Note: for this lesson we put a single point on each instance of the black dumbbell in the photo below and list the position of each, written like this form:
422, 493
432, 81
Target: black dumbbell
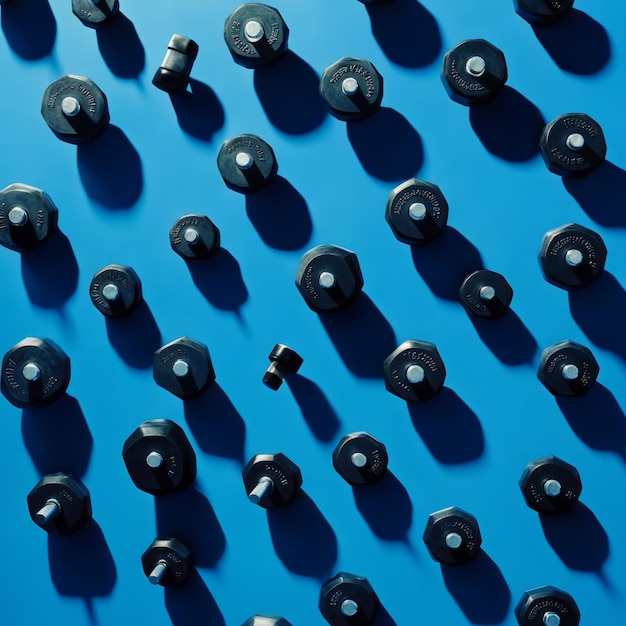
452, 536
542, 12
115, 290
75, 109
246, 163
27, 217
329, 278
173, 73
266, 620
572, 145
283, 361
474, 72
352, 89
59, 503
550, 485
271, 480
256, 35
95, 13
194, 237
183, 367
360, 459
572, 256
417, 212
485, 294
568, 369
159, 457
414, 371
167, 562
547, 606
34, 372
348, 600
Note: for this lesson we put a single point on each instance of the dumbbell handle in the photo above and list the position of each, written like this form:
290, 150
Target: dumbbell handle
49, 510
263, 488
157, 573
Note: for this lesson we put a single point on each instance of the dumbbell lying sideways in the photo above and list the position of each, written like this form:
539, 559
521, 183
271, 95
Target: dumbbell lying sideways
115, 290
167, 562
360, 459
348, 600
246, 163
271, 480
485, 294
175, 69
547, 606
283, 361
95, 13
542, 12
194, 237
452, 536
568, 369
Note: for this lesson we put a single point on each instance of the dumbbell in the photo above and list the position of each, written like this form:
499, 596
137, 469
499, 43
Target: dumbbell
75, 109
283, 361
572, 256
59, 503
194, 237
183, 367
485, 294
414, 371
542, 12
167, 562
115, 290
246, 163
256, 35
417, 212
352, 89
329, 278
547, 606
452, 536
568, 369
27, 217
474, 72
572, 145
159, 457
35, 371
266, 620
360, 459
95, 13
348, 600
173, 73
550, 485
271, 480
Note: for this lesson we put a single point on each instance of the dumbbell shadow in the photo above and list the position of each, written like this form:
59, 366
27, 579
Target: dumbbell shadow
121, 47
30, 28
199, 111
185, 603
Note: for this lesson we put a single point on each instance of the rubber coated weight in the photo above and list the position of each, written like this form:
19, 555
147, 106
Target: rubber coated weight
550, 485
246, 163
256, 35
27, 217
474, 72
95, 13
34, 372
452, 536
283, 361
348, 600
266, 620
75, 109
572, 145
271, 480
194, 237
115, 290
352, 89
167, 562
173, 73
572, 256
542, 12
360, 459
485, 294
159, 457
547, 606
568, 369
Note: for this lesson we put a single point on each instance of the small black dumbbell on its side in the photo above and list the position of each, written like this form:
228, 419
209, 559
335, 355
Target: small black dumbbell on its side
173, 73
547, 606
95, 13
183, 367
194, 237
34, 372
59, 503
452, 536
266, 620
167, 562
348, 600
329, 278
414, 371
159, 457
360, 459
352, 89
27, 217
247, 163
271, 480
115, 290
550, 485
75, 109
283, 361
256, 35
474, 72
485, 294
417, 212
568, 369
572, 256
572, 145
542, 12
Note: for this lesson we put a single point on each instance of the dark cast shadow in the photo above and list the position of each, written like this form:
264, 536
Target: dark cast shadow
383, 618
121, 47
30, 28
186, 603
199, 112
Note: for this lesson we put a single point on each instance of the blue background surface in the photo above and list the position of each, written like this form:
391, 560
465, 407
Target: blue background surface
117, 199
